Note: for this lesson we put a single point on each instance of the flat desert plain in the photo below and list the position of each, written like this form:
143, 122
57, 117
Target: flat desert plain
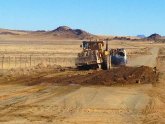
36, 91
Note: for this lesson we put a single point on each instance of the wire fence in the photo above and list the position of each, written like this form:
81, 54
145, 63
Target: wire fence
8, 62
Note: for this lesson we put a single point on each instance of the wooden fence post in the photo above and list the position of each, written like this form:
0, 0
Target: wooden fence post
34, 61
9, 62
30, 60
15, 61
20, 61
3, 57
25, 61
49, 60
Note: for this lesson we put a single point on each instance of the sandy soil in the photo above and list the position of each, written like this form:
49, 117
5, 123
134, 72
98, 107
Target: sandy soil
76, 104
146, 60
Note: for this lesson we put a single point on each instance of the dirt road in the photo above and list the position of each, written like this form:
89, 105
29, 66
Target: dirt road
72, 104
77, 104
146, 60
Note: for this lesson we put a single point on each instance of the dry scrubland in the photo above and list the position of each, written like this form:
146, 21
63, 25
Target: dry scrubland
30, 91
25, 54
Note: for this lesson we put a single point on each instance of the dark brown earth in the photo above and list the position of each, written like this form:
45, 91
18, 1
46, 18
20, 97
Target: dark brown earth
125, 75
122, 76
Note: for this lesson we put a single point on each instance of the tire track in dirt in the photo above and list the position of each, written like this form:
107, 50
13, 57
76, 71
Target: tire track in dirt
145, 60
21, 92
30, 102
105, 107
154, 112
78, 104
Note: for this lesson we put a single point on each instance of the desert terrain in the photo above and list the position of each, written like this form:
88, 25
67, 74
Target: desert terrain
39, 84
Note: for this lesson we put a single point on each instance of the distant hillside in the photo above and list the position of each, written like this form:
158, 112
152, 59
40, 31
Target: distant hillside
141, 36
67, 32
12, 32
8, 33
154, 37
62, 32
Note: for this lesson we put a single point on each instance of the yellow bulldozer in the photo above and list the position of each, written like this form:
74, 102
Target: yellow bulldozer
96, 54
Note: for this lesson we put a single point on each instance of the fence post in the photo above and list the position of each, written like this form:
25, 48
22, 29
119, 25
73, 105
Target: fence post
25, 61
34, 61
15, 61
49, 60
3, 57
30, 60
9, 62
20, 61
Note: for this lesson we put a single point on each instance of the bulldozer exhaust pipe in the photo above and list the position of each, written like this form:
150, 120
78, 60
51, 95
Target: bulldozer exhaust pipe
107, 44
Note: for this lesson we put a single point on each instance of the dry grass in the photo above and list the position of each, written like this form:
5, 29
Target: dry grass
17, 53
73, 104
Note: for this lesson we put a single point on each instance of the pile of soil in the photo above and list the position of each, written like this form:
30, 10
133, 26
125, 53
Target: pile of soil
124, 75
121, 75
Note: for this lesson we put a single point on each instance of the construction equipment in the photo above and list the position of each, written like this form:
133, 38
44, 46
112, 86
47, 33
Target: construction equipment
95, 54
118, 56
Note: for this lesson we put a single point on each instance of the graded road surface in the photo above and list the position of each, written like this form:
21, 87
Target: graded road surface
146, 60
77, 104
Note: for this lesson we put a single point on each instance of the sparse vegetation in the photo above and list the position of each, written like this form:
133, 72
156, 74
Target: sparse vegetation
53, 93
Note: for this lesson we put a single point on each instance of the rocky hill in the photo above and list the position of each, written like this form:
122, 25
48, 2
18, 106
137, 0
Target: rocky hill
154, 37
67, 32
62, 32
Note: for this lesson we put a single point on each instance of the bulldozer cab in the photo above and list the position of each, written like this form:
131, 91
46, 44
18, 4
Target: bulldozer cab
93, 45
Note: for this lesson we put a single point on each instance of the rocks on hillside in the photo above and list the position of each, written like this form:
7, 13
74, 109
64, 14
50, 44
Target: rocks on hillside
154, 37
67, 32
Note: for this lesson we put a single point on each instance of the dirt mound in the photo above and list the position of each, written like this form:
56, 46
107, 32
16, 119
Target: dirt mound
124, 75
121, 75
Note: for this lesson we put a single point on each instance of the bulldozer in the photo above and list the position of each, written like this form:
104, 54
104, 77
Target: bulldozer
97, 55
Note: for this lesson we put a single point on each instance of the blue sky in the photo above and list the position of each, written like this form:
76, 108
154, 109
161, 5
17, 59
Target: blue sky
111, 17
